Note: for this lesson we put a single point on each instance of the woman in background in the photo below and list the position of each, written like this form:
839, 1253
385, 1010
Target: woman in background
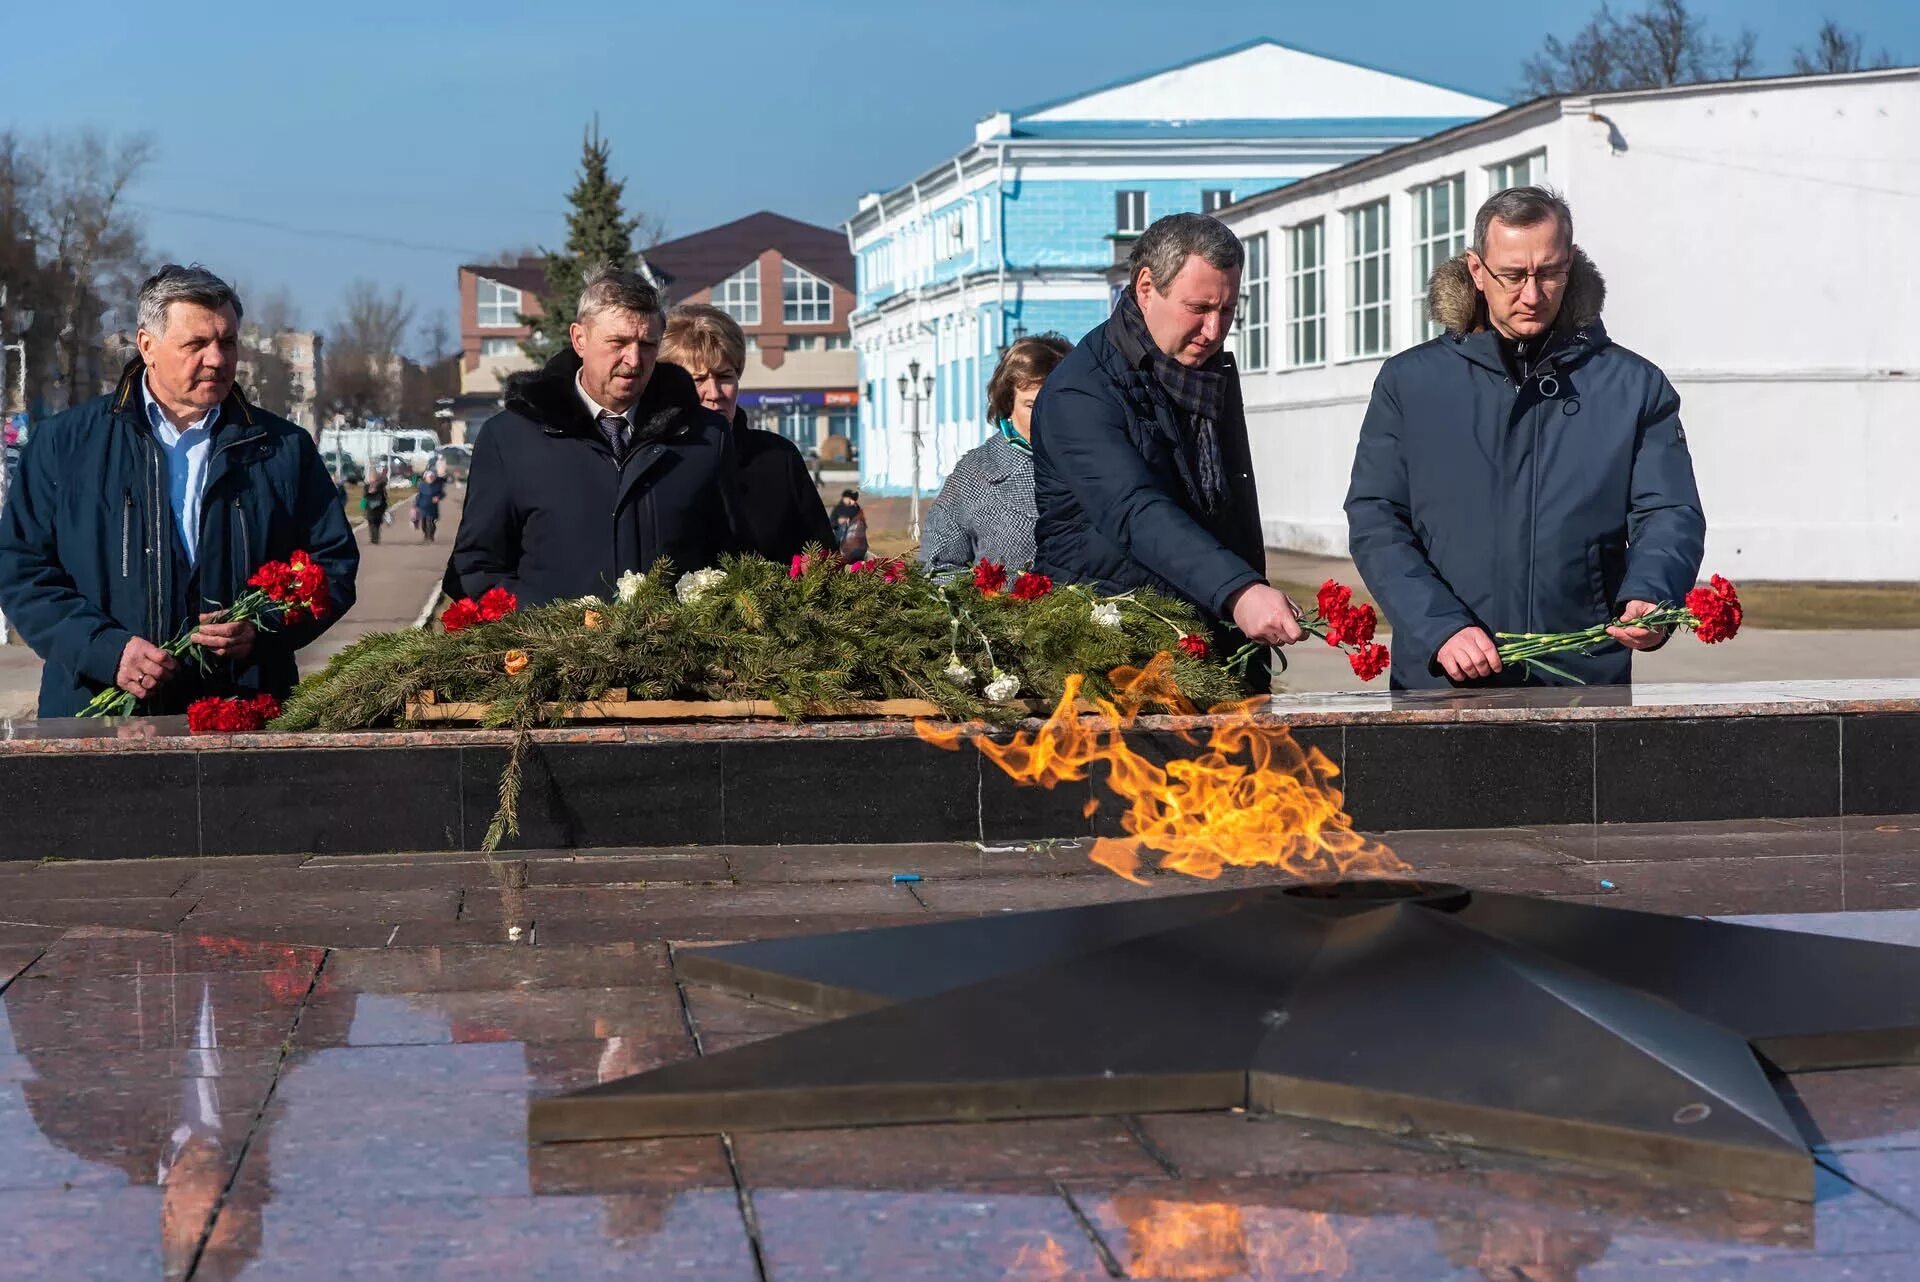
986, 509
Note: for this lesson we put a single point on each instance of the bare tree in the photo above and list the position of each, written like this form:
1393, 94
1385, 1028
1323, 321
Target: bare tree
1836, 49
363, 352
1663, 44
435, 338
93, 244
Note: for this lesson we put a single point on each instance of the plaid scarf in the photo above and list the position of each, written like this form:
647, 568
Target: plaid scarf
1200, 394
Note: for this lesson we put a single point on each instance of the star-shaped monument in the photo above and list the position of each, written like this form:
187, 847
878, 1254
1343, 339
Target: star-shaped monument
1621, 1038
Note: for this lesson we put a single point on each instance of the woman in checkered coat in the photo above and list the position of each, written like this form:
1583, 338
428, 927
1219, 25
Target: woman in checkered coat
986, 510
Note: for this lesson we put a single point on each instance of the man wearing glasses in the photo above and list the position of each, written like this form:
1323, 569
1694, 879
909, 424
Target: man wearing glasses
1521, 473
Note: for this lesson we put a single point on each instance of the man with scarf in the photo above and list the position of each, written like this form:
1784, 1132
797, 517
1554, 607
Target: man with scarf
1142, 474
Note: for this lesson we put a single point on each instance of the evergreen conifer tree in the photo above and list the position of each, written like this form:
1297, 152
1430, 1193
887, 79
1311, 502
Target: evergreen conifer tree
597, 229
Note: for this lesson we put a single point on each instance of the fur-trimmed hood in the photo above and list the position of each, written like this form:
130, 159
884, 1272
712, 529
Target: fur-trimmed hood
1455, 305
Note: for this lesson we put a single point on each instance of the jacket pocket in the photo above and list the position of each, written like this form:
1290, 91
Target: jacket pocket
1606, 571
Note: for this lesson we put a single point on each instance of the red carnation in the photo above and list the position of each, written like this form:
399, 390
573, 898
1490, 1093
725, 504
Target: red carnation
891, 570
1333, 598
1716, 610
496, 604
1030, 586
460, 616
231, 716
797, 566
1357, 625
1193, 645
1369, 660
989, 577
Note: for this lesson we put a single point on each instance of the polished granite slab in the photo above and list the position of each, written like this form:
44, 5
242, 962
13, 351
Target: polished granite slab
323, 1070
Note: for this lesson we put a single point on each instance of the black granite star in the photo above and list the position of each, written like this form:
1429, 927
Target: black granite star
1623, 1038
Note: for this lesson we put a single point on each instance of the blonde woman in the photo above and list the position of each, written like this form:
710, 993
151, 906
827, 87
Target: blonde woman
780, 506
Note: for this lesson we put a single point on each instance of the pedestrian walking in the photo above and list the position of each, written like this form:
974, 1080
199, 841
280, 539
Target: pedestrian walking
426, 502
373, 501
843, 514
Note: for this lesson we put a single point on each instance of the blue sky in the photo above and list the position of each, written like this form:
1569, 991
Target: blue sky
394, 140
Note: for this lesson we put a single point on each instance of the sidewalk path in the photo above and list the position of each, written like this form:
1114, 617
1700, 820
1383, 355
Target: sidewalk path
395, 578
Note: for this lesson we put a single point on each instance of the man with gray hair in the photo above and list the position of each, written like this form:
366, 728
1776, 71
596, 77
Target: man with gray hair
1521, 472
1142, 473
602, 462
145, 511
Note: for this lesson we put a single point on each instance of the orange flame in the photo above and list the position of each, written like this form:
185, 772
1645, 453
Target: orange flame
1045, 1263
1307, 1244
1254, 797
1197, 1241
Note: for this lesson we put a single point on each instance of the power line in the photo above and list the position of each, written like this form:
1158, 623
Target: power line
320, 233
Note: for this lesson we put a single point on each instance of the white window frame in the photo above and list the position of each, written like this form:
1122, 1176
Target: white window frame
495, 306
1439, 233
1130, 212
739, 294
1306, 322
805, 298
1214, 199
1370, 311
495, 348
1254, 336
1527, 170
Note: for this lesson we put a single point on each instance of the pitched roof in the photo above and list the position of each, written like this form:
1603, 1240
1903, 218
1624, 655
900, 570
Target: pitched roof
1250, 86
529, 275
692, 263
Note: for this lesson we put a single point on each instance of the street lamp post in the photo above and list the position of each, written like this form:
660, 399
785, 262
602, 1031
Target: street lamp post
915, 392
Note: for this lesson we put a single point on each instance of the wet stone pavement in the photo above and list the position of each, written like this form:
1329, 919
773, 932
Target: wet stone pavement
278, 1067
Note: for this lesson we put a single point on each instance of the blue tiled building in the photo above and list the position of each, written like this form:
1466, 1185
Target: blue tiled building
1016, 233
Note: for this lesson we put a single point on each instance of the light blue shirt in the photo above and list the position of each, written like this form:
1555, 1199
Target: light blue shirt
186, 450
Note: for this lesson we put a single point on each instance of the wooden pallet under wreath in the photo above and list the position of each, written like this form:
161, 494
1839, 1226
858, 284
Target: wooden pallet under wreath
614, 705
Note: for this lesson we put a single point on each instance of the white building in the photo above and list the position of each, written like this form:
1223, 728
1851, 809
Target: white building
1757, 238
1014, 233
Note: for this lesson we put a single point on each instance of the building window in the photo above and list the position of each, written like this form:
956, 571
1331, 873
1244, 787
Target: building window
803, 342
498, 306
1307, 293
1529, 170
1215, 199
1439, 232
836, 342
797, 425
1253, 334
1369, 312
1129, 212
739, 295
807, 299
499, 347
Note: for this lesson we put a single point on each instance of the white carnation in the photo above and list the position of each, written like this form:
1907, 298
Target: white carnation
694, 586
959, 673
588, 599
1106, 614
1003, 686
627, 586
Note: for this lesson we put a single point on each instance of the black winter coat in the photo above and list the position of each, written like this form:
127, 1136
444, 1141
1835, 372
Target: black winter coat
1542, 506
90, 556
551, 515
1116, 488
780, 503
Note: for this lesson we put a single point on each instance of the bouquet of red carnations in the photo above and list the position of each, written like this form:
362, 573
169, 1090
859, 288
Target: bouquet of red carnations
283, 592
231, 716
1712, 613
490, 606
1343, 625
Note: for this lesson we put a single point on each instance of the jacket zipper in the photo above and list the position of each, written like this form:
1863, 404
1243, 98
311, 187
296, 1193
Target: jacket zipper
126, 532
244, 567
157, 592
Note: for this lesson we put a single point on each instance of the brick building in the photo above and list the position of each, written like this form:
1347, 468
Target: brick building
788, 283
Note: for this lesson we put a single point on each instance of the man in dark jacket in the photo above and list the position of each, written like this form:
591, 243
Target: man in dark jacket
146, 510
1142, 473
601, 463
1521, 473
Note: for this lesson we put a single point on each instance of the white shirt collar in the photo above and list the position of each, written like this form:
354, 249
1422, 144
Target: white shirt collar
595, 409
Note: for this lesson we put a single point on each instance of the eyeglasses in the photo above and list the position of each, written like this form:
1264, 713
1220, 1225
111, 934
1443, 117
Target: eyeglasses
1514, 280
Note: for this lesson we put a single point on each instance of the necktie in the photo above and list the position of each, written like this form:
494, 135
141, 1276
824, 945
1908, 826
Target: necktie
614, 428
